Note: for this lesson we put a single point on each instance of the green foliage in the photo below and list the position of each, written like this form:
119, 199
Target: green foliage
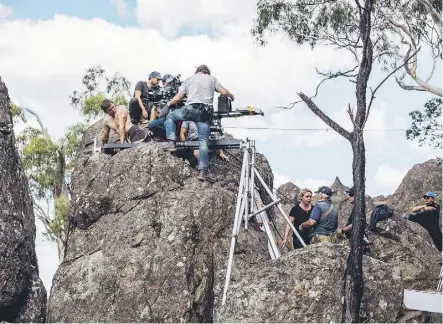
335, 23
39, 160
89, 99
70, 142
58, 226
426, 126
17, 113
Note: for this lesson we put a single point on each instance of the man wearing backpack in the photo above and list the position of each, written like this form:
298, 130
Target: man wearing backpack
323, 219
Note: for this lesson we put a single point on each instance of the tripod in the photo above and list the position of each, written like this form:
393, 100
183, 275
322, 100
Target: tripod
249, 204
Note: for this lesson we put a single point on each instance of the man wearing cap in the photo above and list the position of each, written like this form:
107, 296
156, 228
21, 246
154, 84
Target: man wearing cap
199, 90
348, 227
430, 204
137, 109
428, 216
323, 218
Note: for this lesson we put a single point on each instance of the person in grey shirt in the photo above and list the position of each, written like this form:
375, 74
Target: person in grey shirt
323, 218
199, 90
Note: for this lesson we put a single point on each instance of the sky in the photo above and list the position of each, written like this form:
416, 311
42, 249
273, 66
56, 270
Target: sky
46, 45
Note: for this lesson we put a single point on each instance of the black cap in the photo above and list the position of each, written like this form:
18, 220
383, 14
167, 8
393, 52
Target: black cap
350, 192
325, 190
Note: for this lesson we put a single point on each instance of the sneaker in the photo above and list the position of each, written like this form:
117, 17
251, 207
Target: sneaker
205, 175
170, 146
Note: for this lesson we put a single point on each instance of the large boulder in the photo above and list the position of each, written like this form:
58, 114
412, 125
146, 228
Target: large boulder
422, 177
22, 294
149, 241
306, 285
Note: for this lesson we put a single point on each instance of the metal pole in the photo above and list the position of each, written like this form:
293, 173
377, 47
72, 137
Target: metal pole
246, 188
234, 227
280, 208
252, 175
265, 221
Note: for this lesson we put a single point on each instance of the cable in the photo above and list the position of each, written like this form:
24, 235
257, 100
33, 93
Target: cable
317, 129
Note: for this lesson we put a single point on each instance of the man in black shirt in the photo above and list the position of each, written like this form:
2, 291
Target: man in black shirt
137, 109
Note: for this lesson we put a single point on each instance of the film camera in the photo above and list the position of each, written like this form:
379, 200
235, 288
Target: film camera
158, 95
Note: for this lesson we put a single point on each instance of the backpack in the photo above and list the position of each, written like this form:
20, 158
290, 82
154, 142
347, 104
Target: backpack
380, 212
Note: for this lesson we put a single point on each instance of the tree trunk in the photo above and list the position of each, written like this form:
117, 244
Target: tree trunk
354, 271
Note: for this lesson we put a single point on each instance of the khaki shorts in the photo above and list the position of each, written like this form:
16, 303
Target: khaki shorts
319, 238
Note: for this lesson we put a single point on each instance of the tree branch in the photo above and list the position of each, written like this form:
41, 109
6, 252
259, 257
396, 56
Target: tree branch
412, 72
328, 121
383, 81
436, 17
328, 76
44, 129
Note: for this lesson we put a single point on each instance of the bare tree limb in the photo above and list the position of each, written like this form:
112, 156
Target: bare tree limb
328, 121
435, 15
44, 129
412, 71
328, 76
383, 81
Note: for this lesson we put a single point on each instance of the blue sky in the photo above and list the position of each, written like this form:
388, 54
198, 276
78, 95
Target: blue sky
87, 9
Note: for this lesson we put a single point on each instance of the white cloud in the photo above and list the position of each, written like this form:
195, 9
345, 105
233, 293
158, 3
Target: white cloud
121, 7
388, 177
169, 16
5, 11
280, 179
312, 184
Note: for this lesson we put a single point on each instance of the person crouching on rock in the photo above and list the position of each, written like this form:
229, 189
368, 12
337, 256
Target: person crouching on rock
298, 215
117, 119
199, 90
323, 219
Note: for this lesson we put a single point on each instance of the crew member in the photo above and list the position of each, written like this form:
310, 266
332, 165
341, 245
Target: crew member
159, 113
323, 219
117, 118
137, 110
189, 132
299, 214
199, 90
429, 204
348, 228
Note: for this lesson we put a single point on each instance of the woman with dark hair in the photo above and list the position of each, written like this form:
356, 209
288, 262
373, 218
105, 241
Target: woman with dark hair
299, 214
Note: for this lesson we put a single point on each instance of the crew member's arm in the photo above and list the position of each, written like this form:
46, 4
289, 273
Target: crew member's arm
182, 91
138, 93
222, 155
105, 132
219, 88
122, 118
418, 208
287, 231
183, 131
315, 216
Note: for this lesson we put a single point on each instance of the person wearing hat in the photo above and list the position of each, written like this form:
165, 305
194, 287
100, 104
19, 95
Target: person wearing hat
323, 219
428, 216
429, 204
137, 110
348, 228
199, 90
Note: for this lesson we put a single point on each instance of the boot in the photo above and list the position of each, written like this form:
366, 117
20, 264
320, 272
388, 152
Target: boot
205, 175
170, 146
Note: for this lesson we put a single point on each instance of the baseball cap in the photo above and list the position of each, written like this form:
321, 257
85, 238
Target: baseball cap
350, 192
429, 194
324, 190
155, 74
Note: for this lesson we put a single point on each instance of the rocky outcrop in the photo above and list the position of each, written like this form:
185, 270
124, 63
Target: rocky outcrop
306, 285
22, 294
420, 179
149, 242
